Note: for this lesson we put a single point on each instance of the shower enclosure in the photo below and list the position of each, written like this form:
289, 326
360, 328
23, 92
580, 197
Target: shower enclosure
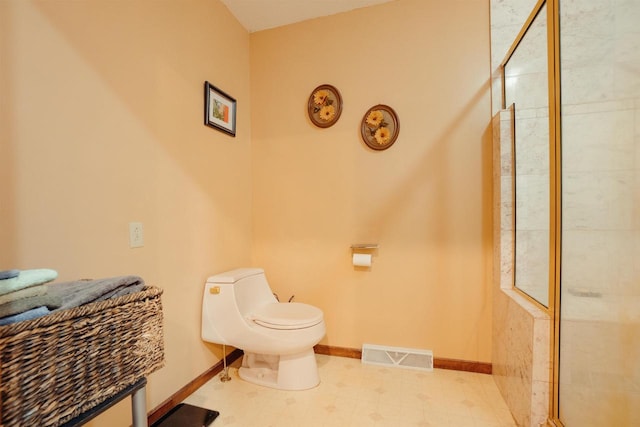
571, 80
599, 334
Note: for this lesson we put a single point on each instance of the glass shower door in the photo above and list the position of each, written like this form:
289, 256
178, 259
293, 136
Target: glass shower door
599, 355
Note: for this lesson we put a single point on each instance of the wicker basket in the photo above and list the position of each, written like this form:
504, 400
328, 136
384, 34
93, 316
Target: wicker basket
56, 367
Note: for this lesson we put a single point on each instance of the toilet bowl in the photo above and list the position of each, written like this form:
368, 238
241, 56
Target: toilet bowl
240, 310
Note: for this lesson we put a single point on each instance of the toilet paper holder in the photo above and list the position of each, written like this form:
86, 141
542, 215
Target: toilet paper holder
362, 255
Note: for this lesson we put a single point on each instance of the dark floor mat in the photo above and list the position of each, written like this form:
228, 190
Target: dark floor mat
185, 415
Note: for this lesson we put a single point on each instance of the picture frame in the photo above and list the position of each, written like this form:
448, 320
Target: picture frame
219, 109
380, 127
324, 106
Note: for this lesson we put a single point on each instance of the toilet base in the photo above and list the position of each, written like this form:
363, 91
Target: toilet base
284, 372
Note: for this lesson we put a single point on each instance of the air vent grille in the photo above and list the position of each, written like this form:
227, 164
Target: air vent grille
397, 357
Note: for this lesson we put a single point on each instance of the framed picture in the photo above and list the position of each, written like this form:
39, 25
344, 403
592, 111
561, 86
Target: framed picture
380, 127
219, 109
324, 106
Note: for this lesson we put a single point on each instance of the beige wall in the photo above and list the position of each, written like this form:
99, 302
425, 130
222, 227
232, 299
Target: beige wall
426, 200
101, 124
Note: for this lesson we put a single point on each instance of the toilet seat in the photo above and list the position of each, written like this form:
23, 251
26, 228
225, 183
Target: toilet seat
287, 316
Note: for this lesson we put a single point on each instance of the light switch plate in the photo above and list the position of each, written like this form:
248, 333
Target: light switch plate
136, 235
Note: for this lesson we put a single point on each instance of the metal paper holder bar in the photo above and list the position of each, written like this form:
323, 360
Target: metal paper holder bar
362, 246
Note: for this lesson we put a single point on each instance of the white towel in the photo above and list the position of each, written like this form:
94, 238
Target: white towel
27, 278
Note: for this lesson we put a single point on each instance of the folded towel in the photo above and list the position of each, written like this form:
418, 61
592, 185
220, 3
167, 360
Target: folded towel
31, 291
27, 278
9, 274
73, 294
25, 304
34, 313
121, 291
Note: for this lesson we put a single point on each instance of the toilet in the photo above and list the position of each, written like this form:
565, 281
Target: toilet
240, 310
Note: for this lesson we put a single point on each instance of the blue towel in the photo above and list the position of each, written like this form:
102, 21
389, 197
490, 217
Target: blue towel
9, 274
25, 315
27, 278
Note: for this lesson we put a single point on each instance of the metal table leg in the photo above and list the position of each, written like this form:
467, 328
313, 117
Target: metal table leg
139, 407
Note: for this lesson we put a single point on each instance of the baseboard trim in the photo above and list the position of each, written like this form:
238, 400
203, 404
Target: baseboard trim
463, 365
353, 353
440, 363
162, 409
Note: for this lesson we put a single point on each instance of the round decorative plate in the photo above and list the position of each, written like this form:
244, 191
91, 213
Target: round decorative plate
324, 106
380, 127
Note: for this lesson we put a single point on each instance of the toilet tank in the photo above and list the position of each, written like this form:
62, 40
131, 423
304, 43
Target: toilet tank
250, 287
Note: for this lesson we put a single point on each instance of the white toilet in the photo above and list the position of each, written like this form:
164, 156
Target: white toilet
239, 309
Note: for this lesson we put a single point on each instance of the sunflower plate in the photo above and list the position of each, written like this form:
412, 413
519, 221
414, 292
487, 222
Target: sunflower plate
324, 106
380, 127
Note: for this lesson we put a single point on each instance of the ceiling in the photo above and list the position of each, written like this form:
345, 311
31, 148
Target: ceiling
256, 15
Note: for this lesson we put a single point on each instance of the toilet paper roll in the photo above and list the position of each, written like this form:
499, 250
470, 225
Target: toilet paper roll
362, 260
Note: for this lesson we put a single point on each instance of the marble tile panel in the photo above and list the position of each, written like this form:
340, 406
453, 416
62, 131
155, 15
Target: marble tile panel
532, 263
506, 203
510, 12
506, 259
506, 147
607, 308
518, 363
599, 362
532, 113
539, 403
532, 202
602, 141
626, 18
591, 83
590, 19
637, 140
636, 201
626, 79
532, 146
542, 364
597, 107
527, 90
579, 50
600, 201
600, 261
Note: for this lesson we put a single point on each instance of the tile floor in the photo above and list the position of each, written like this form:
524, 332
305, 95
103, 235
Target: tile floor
353, 394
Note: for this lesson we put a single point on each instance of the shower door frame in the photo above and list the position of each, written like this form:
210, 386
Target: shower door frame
555, 188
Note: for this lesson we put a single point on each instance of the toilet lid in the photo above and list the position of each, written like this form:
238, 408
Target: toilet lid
293, 315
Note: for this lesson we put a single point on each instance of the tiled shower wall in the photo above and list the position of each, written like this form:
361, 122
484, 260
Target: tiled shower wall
600, 79
600, 321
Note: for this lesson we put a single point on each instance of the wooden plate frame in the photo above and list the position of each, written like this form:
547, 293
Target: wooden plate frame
324, 106
380, 127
